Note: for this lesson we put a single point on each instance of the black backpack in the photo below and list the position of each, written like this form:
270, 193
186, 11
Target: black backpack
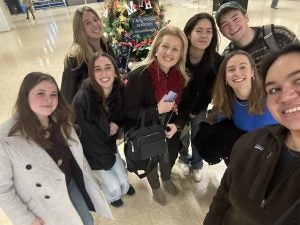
268, 37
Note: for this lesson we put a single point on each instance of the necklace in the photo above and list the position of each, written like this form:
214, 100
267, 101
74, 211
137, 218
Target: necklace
240, 102
292, 152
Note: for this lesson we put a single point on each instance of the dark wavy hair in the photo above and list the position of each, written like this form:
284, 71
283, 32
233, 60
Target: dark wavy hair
268, 62
214, 44
26, 121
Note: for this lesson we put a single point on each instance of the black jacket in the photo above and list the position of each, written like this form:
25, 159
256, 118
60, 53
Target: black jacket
72, 78
291, 216
199, 89
254, 189
93, 120
139, 95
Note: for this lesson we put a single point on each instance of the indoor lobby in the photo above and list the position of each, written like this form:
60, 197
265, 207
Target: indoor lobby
41, 45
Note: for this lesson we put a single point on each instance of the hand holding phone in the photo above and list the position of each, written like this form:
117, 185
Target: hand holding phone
171, 96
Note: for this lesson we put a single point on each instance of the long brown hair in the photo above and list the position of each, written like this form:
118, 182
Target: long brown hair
224, 96
81, 49
26, 121
91, 70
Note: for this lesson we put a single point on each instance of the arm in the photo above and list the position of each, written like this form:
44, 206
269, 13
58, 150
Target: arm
220, 203
284, 36
10, 202
95, 141
204, 84
72, 79
38, 221
184, 108
139, 95
116, 105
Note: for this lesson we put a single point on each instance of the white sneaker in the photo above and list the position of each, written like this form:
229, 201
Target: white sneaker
197, 175
185, 169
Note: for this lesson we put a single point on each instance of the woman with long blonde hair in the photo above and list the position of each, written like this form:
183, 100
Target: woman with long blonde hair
87, 39
162, 71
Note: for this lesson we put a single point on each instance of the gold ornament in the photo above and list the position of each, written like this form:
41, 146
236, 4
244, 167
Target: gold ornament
120, 30
122, 18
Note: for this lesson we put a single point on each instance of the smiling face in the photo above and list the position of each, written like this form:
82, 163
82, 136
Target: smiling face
104, 73
238, 75
43, 100
283, 90
168, 52
234, 25
201, 34
92, 25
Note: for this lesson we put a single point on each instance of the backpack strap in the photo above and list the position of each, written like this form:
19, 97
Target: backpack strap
269, 38
227, 50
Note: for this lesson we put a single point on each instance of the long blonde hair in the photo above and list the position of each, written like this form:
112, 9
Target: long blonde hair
174, 31
81, 49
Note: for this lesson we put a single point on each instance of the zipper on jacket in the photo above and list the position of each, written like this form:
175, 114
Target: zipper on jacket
264, 201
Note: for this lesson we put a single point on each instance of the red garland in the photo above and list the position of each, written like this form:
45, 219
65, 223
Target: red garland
162, 84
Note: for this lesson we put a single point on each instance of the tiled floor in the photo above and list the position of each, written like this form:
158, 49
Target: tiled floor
41, 45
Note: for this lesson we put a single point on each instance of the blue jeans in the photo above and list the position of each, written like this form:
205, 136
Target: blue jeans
80, 204
114, 182
195, 160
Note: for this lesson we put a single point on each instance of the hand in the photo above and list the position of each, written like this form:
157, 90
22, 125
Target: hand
38, 221
163, 106
113, 128
171, 130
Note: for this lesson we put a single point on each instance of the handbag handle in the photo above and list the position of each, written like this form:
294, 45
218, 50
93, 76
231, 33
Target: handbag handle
142, 119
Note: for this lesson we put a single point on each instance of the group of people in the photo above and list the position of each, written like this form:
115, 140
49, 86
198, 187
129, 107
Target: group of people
58, 153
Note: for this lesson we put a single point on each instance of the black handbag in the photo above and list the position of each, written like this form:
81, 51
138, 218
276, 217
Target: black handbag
215, 141
143, 146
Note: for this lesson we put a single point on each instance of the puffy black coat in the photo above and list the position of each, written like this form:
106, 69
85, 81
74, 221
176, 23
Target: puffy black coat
93, 120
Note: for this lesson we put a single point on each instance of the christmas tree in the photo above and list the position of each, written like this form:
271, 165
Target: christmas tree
132, 25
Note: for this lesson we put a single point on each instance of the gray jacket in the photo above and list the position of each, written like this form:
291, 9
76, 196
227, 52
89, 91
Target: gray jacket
31, 184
